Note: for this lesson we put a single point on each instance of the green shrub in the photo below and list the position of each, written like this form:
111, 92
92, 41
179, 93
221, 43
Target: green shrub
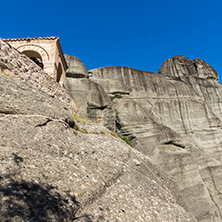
76, 132
126, 139
76, 127
83, 130
116, 96
211, 77
105, 134
83, 120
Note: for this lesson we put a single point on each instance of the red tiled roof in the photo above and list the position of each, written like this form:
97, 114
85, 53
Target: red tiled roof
28, 38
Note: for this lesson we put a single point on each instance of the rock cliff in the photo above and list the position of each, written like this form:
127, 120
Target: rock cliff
174, 118
54, 168
57, 168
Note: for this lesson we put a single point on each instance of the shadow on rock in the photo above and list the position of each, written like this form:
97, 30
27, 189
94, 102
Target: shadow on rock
30, 201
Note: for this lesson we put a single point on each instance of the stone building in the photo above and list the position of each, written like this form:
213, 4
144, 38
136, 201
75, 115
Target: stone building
46, 52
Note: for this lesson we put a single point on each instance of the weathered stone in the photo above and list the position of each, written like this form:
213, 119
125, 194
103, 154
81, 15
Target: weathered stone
175, 119
24, 99
92, 100
180, 66
51, 172
76, 68
204, 70
85, 174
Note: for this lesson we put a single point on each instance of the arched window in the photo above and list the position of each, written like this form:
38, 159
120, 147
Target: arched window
59, 73
35, 57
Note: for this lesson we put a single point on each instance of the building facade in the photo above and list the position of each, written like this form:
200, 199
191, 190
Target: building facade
46, 52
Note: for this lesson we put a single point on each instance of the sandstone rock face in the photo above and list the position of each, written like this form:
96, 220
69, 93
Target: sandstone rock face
22, 98
90, 97
76, 68
180, 66
52, 172
92, 100
174, 118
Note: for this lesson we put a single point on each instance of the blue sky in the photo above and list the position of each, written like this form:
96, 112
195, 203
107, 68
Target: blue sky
141, 34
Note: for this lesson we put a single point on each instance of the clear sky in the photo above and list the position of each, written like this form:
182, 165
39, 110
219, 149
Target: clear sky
137, 33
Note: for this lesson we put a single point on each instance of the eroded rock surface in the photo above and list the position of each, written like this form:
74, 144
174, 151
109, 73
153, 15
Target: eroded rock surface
24, 99
92, 101
174, 118
180, 66
51, 172
76, 68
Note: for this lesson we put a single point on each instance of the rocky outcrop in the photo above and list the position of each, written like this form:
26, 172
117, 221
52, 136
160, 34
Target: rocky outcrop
52, 172
76, 68
180, 66
20, 98
92, 101
90, 97
174, 118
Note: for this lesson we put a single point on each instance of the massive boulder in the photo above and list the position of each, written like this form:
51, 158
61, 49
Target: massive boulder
90, 97
174, 118
52, 172
76, 68
180, 66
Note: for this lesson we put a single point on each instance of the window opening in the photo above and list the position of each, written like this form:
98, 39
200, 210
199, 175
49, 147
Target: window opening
59, 73
35, 57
